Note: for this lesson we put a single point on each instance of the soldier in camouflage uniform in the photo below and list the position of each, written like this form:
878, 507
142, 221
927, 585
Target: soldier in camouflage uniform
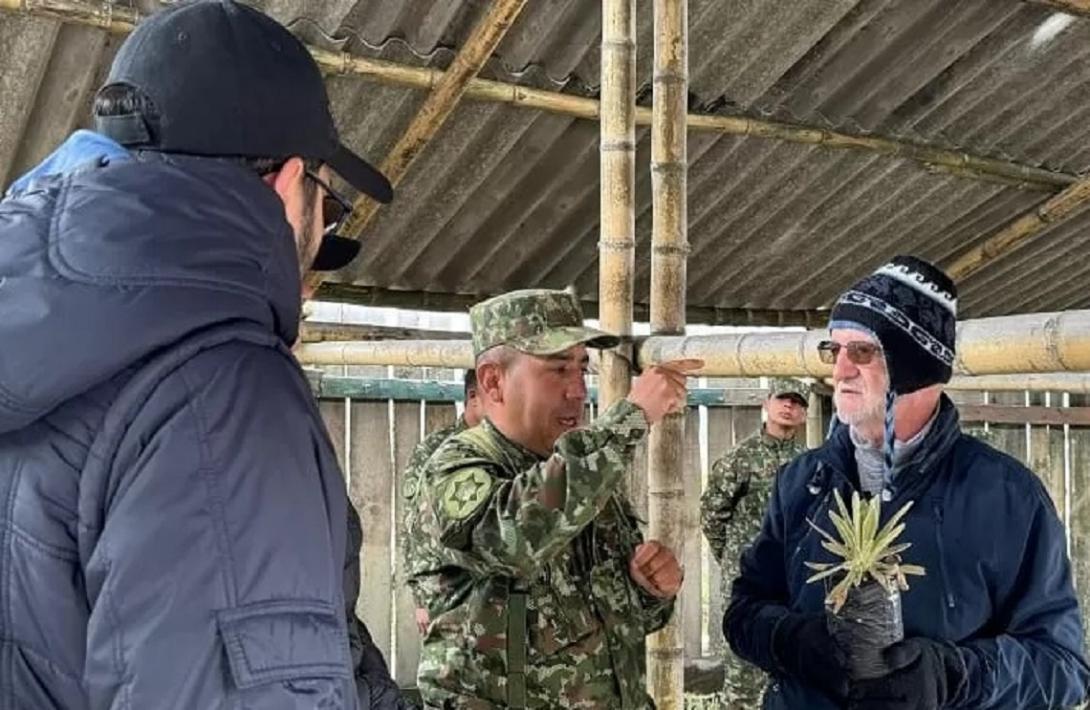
547, 589
420, 571
734, 504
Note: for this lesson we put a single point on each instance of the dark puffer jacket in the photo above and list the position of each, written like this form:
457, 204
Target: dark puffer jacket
998, 580
173, 516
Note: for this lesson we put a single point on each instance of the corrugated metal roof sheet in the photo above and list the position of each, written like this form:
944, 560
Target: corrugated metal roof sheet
506, 197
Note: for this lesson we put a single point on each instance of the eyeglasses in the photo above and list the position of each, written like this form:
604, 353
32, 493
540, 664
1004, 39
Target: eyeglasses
860, 352
335, 208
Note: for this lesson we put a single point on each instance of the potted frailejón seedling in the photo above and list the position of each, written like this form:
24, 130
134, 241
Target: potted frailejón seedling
863, 605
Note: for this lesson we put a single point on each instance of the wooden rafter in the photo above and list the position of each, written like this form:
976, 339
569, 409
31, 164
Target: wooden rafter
1022, 229
1071, 7
441, 102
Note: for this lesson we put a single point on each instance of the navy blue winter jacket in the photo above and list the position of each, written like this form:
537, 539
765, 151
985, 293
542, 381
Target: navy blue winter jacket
172, 514
998, 580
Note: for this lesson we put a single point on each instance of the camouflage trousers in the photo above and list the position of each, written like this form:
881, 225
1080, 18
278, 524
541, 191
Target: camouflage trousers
743, 683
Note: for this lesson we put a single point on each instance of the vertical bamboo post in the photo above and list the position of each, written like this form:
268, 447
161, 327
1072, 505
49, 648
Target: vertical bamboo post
669, 249
617, 167
815, 421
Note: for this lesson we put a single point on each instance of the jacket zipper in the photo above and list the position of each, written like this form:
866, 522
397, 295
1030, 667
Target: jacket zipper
947, 594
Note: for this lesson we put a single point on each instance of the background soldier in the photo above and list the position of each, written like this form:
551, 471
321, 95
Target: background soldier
547, 587
417, 568
734, 504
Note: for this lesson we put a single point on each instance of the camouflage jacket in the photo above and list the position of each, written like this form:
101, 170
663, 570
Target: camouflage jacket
419, 568
739, 488
489, 524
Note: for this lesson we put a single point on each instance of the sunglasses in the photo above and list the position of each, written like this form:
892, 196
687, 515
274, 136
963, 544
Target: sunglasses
860, 352
335, 207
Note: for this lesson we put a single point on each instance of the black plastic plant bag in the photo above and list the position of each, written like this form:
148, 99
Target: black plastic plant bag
867, 624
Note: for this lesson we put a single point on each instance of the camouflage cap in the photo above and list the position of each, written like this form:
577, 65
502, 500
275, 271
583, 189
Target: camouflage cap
534, 321
781, 386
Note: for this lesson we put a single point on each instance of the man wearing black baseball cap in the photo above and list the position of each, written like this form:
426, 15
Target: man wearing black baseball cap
176, 515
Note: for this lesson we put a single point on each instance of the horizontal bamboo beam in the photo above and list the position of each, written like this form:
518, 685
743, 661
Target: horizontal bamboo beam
441, 102
453, 302
1034, 343
1071, 7
120, 20
317, 332
405, 353
1022, 229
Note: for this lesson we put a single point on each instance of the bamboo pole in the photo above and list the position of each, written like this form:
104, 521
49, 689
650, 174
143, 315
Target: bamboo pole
401, 353
108, 16
440, 104
669, 251
617, 188
1022, 229
1026, 177
430, 300
319, 332
1045, 343
1036, 342
815, 421
1071, 7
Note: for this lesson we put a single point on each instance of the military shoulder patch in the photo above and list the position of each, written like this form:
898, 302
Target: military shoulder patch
464, 492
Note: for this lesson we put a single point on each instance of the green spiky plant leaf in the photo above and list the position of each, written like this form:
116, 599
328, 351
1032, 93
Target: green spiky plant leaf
865, 550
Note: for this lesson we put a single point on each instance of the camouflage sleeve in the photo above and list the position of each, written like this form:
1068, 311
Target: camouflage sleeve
719, 500
410, 484
656, 612
510, 526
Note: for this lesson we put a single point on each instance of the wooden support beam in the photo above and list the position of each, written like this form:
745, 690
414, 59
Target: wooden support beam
1071, 7
455, 302
441, 102
669, 255
1022, 229
120, 19
1072, 382
1010, 414
617, 192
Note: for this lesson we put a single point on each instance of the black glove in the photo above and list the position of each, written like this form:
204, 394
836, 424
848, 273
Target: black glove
926, 675
805, 650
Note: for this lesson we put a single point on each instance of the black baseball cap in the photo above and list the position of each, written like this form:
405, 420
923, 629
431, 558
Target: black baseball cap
227, 80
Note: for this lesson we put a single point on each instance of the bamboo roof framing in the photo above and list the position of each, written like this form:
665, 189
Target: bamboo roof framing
838, 150
617, 187
669, 256
122, 19
1015, 234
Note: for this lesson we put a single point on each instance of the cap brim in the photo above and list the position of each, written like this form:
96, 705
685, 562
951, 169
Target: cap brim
557, 340
793, 395
335, 253
360, 174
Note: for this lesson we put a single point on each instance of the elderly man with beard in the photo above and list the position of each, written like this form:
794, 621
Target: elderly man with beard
994, 624
547, 588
